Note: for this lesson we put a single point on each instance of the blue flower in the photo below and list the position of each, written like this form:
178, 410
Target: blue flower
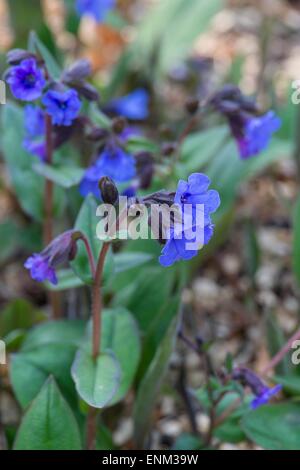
97, 9
42, 265
265, 395
34, 123
26, 80
201, 202
257, 134
113, 162
133, 106
62, 106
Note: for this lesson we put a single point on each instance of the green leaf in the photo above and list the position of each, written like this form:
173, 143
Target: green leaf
290, 383
171, 19
36, 45
19, 314
64, 176
187, 441
29, 370
9, 231
66, 280
98, 380
129, 260
29, 186
150, 386
141, 144
120, 335
55, 332
274, 427
87, 223
49, 423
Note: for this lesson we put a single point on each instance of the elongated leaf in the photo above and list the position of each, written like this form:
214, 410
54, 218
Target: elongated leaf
129, 260
96, 381
29, 186
274, 427
36, 45
149, 388
64, 176
49, 423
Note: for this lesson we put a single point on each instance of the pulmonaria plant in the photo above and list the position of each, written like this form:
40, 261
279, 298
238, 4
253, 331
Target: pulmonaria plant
262, 392
252, 132
62, 106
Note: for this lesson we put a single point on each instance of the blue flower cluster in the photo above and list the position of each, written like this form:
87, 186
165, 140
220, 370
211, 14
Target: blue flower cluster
113, 162
27, 82
97, 9
196, 195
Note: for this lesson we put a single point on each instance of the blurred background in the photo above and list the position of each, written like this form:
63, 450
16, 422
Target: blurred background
243, 293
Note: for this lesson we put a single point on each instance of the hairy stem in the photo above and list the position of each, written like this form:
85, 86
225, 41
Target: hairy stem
48, 200
97, 321
97, 301
280, 355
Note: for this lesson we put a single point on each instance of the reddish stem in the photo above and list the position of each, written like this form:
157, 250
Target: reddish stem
97, 323
280, 355
97, 301
48, 200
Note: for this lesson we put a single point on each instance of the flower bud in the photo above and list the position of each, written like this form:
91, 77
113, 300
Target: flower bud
119, 124
168, 148
108, 190
80, 70
192, 105
15, 56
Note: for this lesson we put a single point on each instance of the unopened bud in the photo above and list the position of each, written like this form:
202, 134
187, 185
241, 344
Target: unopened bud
108, 190
119, 124
15, 56
168, 148
192, 105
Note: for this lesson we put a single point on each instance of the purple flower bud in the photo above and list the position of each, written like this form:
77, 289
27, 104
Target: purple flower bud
258, 387
26, 80
62, 106
15, 56
42, 265
80, 70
